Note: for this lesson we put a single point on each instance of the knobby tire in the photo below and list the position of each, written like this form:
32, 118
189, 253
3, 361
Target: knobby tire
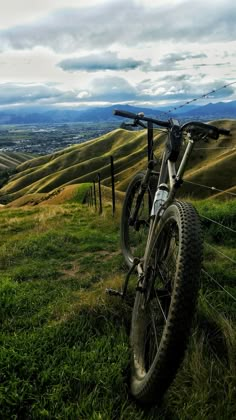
162, 315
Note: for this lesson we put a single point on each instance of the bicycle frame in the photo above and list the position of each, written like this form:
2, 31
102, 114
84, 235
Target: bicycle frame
167, 175
169, 271
165, 194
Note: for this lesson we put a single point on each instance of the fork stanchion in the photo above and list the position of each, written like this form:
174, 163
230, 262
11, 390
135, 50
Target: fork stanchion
113, 186
99, 193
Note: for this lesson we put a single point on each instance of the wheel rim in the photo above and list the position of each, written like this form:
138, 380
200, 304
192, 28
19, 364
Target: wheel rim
154, 306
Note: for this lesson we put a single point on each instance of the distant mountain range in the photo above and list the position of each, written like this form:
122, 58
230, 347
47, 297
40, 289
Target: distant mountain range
219, 110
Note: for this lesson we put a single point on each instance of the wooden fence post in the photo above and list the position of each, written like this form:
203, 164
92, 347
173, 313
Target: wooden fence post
94, 193
91, 193
89, 197
113, 186
99, 193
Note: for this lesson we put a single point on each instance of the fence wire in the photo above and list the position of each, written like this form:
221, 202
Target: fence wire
218, 284
220, 253
218, 223
211, 188
205, 95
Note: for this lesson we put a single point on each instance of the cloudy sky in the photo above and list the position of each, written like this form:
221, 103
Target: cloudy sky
74, 53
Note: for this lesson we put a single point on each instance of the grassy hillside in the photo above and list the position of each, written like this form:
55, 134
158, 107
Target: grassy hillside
73, 164
211, 164
9, 160
64, 345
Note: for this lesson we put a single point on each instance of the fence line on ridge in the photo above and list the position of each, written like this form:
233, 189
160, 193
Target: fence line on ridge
95, 199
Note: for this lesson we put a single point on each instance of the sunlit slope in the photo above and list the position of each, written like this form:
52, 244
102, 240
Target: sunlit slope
212, 163
217, 174
9, 160
79, 163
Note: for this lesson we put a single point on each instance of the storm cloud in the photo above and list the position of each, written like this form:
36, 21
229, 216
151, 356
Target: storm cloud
125, 23
96, 62
114, 51
21, 93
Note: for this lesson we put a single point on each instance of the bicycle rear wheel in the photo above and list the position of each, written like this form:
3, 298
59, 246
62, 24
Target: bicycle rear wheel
134, 236
162, 315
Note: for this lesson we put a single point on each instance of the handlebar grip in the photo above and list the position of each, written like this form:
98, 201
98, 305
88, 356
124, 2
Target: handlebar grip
125, 114
224, 131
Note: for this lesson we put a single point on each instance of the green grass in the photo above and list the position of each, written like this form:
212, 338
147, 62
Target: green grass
64, 344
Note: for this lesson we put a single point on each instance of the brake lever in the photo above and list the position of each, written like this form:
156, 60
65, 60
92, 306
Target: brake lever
138, 122
197, 135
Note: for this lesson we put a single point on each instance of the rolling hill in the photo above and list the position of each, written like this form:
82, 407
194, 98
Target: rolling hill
211, 164
9, 160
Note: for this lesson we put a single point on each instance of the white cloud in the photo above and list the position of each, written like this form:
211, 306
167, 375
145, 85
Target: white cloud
124, 23
83, 95
112, 89
140, 51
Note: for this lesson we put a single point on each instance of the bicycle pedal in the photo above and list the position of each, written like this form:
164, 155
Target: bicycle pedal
113, 292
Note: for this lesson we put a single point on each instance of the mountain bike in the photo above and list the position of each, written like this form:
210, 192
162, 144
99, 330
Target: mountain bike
161, 239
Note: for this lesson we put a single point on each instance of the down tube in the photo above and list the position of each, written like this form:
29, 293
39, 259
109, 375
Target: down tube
163, 177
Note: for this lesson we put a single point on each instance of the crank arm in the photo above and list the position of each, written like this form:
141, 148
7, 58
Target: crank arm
122, 294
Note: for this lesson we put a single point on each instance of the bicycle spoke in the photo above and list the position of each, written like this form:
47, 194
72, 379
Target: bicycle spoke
154, 329
160, 306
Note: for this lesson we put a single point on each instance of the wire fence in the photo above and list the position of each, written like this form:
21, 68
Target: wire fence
94, 198
219, 269
212, 188
204, 96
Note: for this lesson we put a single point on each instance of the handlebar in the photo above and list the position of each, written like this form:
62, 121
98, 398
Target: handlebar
211, 131
141, 117
124, 114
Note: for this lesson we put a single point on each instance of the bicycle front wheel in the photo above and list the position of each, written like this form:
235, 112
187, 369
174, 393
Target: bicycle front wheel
162, 315
134, 236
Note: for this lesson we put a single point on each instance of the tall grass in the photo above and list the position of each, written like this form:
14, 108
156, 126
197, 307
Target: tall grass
64, 344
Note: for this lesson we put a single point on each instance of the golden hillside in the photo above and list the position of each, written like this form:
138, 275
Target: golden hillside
211, 164
9, 160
